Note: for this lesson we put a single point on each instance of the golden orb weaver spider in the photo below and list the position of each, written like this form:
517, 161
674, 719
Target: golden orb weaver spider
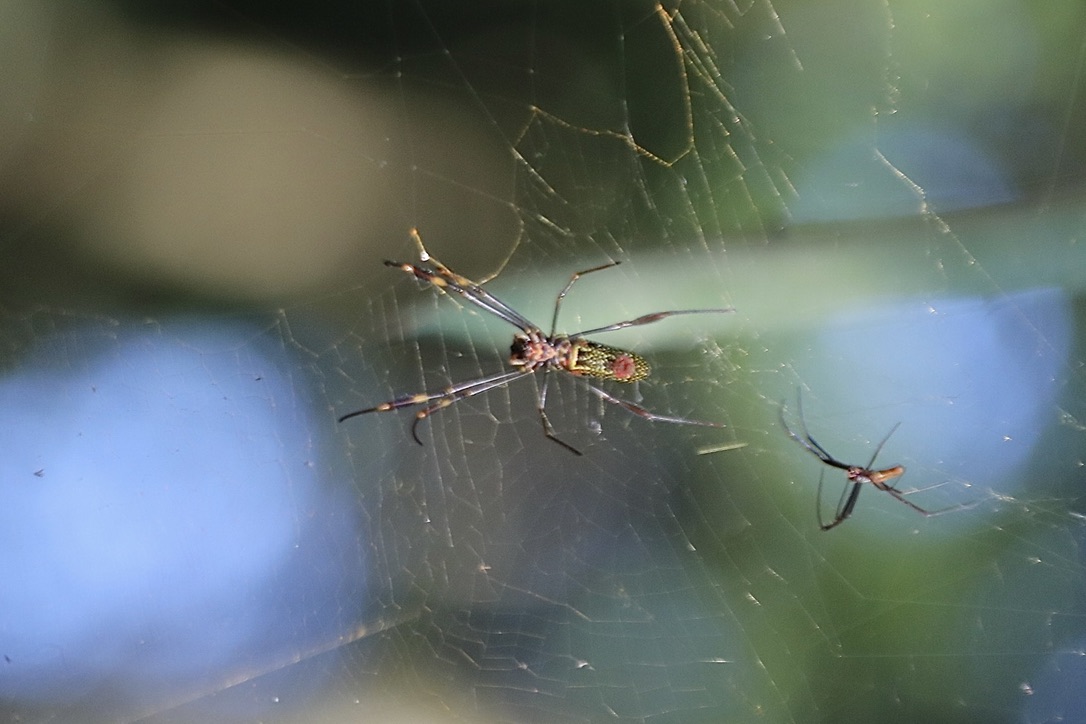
533, 351
855, 474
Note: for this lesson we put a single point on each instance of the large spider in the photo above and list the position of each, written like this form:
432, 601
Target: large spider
533, 351
855, 474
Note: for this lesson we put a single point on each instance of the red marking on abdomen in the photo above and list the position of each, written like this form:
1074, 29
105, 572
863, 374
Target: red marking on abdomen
623, 367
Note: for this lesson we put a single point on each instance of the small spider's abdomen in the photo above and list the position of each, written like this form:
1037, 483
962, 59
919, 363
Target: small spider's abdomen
881, 476
592, 359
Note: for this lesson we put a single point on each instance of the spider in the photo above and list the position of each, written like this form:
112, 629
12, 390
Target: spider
533, 351
855, 475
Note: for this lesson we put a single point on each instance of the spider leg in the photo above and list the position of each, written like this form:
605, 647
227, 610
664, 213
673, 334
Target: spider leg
878, 448
460, 392
446, 280
443, 398
809, 442
818, 500
548, 429
572, 279
442, 270
844, 505
899, 496
650, 318
648, 415
812, 444
928, 513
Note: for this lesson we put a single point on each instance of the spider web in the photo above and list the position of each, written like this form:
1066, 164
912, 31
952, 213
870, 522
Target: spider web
198, 201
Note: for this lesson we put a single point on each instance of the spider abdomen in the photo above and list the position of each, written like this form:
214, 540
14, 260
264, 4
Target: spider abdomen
591, 359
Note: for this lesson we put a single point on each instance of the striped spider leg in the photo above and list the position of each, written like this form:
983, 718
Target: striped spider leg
855, 475
534, 351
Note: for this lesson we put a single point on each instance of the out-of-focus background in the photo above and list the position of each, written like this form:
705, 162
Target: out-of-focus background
195, 203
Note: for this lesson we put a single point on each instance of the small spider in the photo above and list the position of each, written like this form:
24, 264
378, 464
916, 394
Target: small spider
533, 351
855, 474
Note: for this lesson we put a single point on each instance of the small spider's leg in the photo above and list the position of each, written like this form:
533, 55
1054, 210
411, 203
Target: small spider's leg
797, 438
809, 442
897, 495
818, 499
548, 429
572, 279
846, 512
924, 511
650, 318
878, 448
845, 504
958, 506
843, 511
813, 445
642, 412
